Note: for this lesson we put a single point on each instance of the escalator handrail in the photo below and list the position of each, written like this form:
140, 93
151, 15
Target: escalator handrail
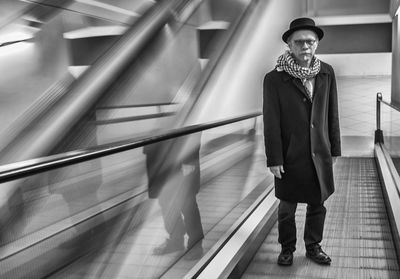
26, 168
378, 131
393, 106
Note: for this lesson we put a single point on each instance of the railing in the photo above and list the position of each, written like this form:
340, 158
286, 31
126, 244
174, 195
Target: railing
378, 132
26, 168
129, 200
389, 175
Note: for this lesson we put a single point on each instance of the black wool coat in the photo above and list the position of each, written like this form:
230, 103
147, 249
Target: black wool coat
301, 135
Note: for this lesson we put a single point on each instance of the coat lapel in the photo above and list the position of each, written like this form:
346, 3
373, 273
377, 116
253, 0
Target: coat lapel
300, 86
297, 83
321, 79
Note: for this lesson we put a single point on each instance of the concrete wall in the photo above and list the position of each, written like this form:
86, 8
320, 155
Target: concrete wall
359, 64
237, 86
345, 7
394, 5
356, 38
396, 61
360, 41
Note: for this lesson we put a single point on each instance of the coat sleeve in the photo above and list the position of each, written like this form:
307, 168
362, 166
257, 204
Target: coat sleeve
272, 125
333, 118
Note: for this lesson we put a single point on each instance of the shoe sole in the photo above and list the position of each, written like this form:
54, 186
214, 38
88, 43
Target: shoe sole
318, 262
285, 264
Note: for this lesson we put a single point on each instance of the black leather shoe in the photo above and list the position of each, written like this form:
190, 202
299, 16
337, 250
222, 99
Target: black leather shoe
316, 254
285, 258
169, 246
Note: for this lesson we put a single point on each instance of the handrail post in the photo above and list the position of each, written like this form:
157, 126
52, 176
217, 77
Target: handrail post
378, 131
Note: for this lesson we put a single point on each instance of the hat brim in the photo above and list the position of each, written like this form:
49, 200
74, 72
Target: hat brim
316, 29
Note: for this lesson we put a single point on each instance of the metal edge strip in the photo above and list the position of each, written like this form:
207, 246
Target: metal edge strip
220, 260
390, 187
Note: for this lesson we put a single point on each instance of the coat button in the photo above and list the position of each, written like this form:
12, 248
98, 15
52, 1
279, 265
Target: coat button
304, 99
312, 125
313, 154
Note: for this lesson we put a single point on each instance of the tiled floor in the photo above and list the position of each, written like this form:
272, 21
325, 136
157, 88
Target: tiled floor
357, 109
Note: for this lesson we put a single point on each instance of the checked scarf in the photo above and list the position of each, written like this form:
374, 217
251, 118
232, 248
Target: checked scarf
287, 63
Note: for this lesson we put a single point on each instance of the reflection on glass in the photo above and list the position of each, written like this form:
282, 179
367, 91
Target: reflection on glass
97, 215
173, 170
48, 46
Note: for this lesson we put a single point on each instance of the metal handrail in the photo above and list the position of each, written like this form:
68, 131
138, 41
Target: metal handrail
379, 100
393, 106
30, 167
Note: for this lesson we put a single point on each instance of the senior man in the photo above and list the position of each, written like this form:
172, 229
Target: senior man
302, 137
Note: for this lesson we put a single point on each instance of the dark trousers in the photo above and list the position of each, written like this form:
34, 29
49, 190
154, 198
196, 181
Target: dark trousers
313, 229
181, 213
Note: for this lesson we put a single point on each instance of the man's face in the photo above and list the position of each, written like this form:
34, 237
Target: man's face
303, 44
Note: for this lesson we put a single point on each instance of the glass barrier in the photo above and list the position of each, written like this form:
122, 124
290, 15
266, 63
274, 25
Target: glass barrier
45, 47
390, 125
146, 213
96, 212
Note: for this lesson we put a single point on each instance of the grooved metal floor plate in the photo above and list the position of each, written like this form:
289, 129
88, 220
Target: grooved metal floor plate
357, 234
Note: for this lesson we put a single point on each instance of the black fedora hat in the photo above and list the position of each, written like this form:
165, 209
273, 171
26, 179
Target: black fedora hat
302, 23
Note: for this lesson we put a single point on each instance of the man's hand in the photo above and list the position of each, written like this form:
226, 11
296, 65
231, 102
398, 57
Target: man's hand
277, 170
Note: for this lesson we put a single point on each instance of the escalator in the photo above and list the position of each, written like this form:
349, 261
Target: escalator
54, 217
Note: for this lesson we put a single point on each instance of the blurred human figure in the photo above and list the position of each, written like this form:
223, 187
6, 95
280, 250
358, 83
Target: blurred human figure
173, 170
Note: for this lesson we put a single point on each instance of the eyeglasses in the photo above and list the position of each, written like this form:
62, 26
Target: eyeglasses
309, 42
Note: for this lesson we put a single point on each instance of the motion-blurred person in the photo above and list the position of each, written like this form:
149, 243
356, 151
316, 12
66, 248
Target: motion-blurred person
173, 170
302, 137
